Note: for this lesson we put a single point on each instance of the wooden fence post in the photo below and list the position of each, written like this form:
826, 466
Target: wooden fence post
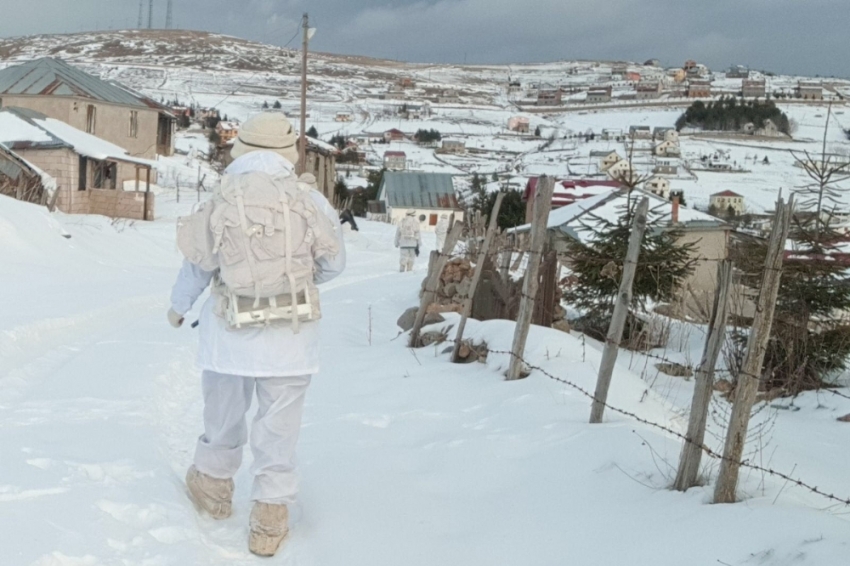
750, 375
476, 275
542, 205
686, 477
432, 281
621, 312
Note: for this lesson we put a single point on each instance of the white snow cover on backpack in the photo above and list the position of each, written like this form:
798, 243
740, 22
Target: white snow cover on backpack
263, 233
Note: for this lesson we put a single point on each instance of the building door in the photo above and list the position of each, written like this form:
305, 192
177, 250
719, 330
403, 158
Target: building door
433, 220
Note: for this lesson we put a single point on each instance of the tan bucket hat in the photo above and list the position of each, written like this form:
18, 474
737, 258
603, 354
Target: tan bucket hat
269, 131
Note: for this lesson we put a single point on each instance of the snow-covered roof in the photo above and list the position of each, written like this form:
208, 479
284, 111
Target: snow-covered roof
227, 126
24, 129
54, 77
609, 206
13, 165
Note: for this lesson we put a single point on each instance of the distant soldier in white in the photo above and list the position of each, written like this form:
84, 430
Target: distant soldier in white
408, 238
262, 244
442, 230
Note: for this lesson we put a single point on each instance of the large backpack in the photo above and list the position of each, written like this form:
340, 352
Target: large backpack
263, 234
409, 228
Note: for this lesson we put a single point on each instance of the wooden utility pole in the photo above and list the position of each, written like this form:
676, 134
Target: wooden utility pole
749, 377
302, 142
476, 275
432, 282
689, 462
621, 312
540, 219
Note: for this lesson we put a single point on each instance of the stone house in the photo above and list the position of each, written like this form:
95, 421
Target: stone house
549, 97
667, 149
753, 88
426, 194
662, 134
104, 109
226, 131
648, 90
809, 91
606, 158
640, 133
454, 146
699, 88
658, 186
89, 173
622, 171
395, 160
599, 95
519, 124
725, 201
394, 135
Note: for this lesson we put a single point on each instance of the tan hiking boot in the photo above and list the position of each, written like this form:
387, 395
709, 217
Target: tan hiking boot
213, 495
269, 526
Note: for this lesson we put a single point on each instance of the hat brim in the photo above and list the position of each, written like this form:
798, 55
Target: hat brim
239, 149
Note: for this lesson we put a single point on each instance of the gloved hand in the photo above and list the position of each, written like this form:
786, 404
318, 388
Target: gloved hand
417, 251
174, 319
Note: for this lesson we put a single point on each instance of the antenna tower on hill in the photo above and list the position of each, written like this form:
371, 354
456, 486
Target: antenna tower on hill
169, 21
141, 14
150, 14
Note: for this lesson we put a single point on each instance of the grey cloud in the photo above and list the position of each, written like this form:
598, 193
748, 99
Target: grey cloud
789, 36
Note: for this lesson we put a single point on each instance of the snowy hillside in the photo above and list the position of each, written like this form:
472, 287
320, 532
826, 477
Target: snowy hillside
471, 104
402, 453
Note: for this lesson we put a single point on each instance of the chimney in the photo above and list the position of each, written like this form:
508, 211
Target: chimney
674, 217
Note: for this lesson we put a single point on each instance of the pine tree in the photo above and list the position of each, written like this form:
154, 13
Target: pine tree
512, 211
277, 105
265, 105
537, 131
597, 263
478, 194
313, 132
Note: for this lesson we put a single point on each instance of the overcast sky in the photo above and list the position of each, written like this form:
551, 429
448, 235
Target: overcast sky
791, 36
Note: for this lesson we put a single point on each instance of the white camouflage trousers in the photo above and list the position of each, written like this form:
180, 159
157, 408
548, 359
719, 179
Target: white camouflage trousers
407, 258
274, 432
441, 241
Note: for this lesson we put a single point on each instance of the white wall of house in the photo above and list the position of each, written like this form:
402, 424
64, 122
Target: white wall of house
396, 214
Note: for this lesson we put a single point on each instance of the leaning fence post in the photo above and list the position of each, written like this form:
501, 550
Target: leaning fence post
621, 311
476, 275
542, 205
686, 477
748, 379
432, 281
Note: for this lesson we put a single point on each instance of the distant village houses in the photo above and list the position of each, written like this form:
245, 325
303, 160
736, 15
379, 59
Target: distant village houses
699, 88
549, 97
395, 160
753, 88
427, 195
727, 201
394, 135
454, 146
226, 131
599, 95
809, 91
659, 186
648, 90
519, 124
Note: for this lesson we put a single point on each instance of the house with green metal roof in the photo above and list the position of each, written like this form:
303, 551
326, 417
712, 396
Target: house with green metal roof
108, 110
428, 195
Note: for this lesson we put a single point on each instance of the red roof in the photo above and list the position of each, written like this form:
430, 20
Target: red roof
394, 154
394, 131
727, 194
569, 191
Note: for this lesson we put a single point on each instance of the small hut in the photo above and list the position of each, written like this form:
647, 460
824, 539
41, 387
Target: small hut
21, 180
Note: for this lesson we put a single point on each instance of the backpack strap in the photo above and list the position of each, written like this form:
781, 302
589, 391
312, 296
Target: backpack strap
249, 255
287, 217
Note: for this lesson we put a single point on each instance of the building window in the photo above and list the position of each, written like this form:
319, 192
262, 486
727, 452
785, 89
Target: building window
422, 218
91, 119
104, 175
134, 124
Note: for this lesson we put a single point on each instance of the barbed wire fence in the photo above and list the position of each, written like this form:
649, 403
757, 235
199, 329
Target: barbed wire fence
519, 254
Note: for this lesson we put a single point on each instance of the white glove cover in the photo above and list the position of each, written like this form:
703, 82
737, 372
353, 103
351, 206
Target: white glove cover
176, 320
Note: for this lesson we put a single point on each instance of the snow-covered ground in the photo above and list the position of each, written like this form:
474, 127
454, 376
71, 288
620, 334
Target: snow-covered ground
405, 457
